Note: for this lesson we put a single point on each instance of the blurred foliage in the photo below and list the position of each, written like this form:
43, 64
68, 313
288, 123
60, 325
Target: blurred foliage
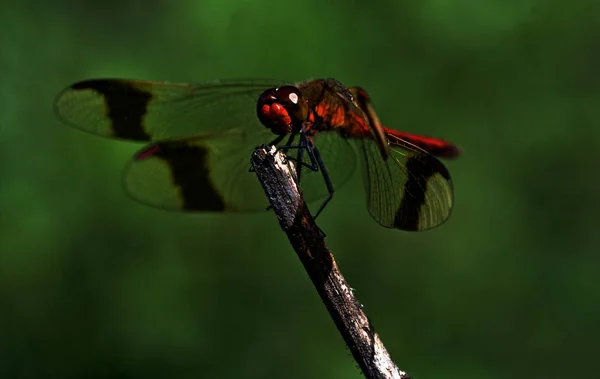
94, 285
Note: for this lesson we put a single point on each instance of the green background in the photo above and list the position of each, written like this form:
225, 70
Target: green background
95, 285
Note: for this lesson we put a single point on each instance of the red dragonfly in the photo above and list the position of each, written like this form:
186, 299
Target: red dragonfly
203, 135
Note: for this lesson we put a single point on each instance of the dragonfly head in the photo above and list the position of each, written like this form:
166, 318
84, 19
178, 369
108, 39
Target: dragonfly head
282, 108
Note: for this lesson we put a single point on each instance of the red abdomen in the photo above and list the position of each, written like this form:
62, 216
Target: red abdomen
435, 146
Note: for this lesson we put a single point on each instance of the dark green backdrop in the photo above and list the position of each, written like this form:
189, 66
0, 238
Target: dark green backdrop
94, 285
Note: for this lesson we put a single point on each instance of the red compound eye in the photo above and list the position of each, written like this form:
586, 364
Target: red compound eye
280, 108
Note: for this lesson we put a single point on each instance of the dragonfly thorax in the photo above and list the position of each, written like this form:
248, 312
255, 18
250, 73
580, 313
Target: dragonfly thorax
282, 109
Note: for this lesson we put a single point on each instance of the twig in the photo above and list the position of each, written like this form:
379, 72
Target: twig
278, 181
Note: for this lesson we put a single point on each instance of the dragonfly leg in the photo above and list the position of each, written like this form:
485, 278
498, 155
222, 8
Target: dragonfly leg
321, 165
299, 157
288, 146
316, 164
302, 146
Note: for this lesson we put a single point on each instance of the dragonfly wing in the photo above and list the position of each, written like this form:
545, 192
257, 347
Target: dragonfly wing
211, 172
202, 173
437, 147
410, 190
142, 110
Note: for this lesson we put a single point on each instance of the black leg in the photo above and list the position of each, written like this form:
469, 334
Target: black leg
302, 145
316, 163
298, 159
277, 140
317, 156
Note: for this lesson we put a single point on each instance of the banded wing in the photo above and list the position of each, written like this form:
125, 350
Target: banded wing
180, 172
407, 187
141, 110
210, 172
410, 190
201, 173
204, 133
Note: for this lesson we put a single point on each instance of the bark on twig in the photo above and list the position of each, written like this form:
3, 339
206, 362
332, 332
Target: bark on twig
278, 181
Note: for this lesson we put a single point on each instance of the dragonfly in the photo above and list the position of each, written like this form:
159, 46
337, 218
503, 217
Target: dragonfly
199, 139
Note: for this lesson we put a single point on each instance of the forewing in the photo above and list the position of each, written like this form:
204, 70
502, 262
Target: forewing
410, 190
142, 110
